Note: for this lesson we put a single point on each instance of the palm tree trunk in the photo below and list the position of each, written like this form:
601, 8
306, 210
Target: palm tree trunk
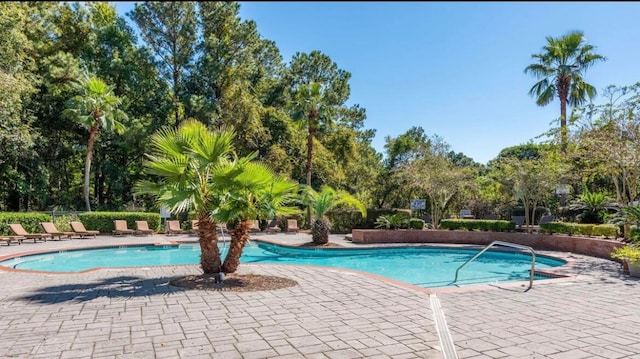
309, 158
563, 93
239, 237
208, 238
87, 163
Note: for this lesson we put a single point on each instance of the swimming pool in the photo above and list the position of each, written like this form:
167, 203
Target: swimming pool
422, 266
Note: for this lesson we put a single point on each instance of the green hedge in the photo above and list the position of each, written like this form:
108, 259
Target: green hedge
604, 230
416, 223
103, 221
30, 221
480, 224
343, 221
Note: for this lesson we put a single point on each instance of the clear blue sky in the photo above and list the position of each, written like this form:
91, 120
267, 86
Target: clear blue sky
454, 68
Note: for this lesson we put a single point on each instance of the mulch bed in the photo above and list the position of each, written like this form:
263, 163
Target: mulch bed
234, 282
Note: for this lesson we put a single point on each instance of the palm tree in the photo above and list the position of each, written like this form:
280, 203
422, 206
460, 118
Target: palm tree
191, 163
324, 201
560, 68
309, 106
256, 192
95, 108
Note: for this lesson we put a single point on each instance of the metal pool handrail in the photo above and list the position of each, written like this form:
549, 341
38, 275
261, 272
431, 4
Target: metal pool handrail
506, 244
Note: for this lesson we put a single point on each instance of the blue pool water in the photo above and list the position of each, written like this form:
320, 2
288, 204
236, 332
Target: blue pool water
422, 266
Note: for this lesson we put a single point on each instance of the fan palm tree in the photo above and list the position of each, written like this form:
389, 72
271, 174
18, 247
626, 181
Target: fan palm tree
324, 201
191, 162
560, 68
256, 192
310, 107
95, 108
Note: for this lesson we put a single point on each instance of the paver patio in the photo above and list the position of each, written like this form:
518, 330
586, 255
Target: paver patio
134, 313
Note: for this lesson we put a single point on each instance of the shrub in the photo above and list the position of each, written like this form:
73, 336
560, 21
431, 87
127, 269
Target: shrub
481, 224
606, 230
394, 221
343, 221
30, 221
416, 223
103, 221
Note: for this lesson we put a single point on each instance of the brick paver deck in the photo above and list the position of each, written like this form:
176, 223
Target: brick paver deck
134, 313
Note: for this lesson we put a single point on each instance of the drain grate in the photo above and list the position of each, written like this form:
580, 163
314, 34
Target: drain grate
446, 342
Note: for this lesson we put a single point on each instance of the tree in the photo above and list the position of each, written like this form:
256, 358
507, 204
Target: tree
170, 29
190, 163
310, 107
322, 202
532, 180
256, 192
95, 108
560, 68
607, 142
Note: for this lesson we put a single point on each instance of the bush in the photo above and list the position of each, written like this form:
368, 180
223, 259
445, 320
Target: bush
481, 224
343, 221
30, 221
416, 223
605, 230
103, 221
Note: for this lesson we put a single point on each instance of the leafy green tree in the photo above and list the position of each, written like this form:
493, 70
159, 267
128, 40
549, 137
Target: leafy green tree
170, 29
532, 181
606, 144
256, 192
322, 202
189, 164
560, 68
95, 108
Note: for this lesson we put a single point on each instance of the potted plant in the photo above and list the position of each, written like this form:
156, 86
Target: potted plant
631, 255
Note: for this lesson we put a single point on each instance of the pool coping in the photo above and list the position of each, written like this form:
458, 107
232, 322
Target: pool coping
555, 274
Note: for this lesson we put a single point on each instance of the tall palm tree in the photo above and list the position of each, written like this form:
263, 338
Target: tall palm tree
191, 162
560, 68
95, 107
309, 106
256, 192
324, 201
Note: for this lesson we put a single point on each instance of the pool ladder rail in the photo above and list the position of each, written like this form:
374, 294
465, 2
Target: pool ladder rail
506, 244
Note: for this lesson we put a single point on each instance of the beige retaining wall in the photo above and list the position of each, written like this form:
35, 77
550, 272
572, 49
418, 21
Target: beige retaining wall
591, 246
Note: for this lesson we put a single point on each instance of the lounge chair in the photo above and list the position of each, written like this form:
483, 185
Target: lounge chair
519, 221
273, 227
78, 229
50, 227
142, 227
254, 226
121, 227
10, 239
173, 227
18, 230
292, 225
546, 219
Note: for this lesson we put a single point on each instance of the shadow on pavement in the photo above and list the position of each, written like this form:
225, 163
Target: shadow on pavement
117, 287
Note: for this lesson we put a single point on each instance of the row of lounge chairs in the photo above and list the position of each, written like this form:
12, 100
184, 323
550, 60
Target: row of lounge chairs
142, 228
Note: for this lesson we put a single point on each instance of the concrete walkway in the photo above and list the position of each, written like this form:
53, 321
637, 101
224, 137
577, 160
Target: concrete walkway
134, 313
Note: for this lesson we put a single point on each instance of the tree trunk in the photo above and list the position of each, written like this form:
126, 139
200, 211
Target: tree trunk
563, 93
208, 238
87, 163
309, 158
239, 237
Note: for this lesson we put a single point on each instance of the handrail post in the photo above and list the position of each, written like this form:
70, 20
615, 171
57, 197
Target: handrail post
506, 244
